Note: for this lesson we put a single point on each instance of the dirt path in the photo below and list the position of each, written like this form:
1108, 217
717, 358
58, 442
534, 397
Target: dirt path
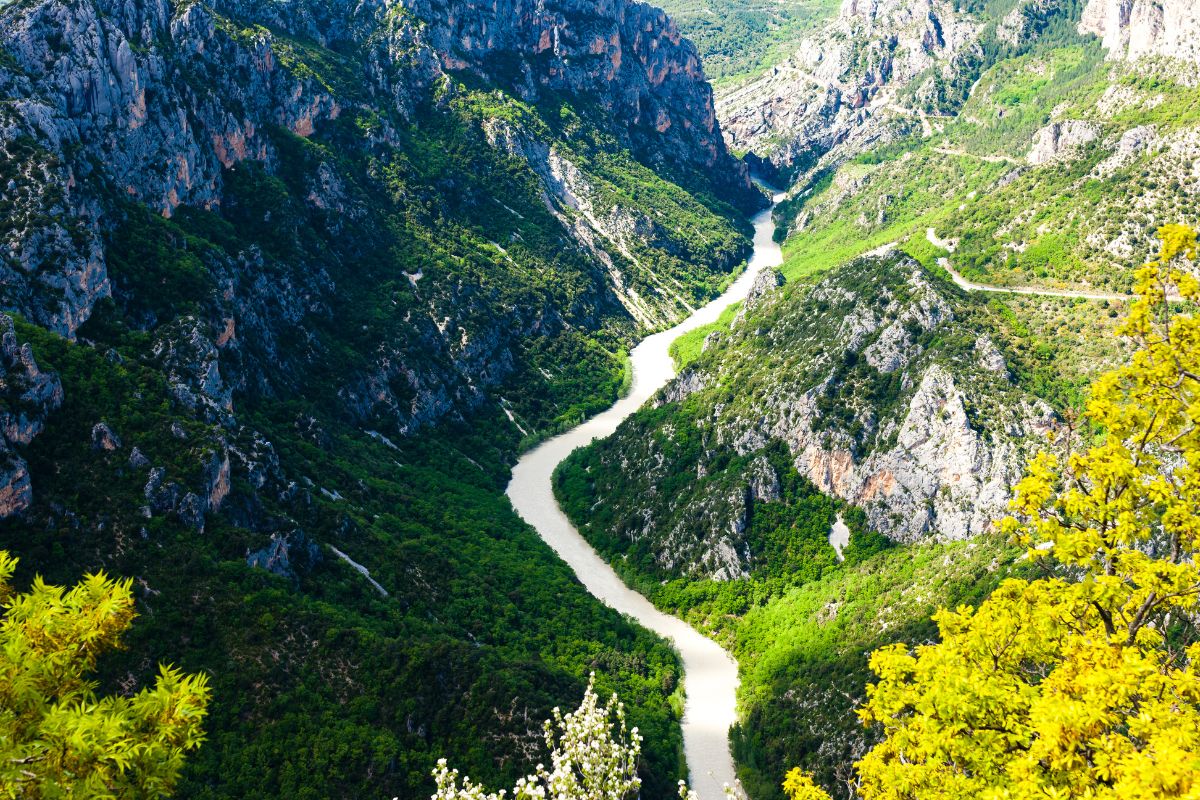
950, 151
971, 286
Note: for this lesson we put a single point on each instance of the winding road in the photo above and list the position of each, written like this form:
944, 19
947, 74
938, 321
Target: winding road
1039, 291
710, 673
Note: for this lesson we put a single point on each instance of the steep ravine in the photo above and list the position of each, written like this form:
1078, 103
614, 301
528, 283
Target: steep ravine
711, 676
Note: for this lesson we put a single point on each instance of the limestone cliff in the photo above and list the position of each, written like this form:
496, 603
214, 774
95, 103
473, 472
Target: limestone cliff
1133, 29
884, 384
878, 65
395, 206
156, 99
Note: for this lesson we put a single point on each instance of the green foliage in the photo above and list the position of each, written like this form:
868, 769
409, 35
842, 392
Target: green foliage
800, 622
1061, 224
58, 739
688, 347
804, 654
155, 267
738, 40
322, 687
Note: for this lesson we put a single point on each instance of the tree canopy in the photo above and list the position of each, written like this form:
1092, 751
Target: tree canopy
58, 739
1082, 682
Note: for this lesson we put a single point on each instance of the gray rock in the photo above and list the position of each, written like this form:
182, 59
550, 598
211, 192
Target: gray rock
104, 438
1061, 141
16, 488
191, 511
286, 555
1133, 29
29, 396
823, 98
162, 496
137, 459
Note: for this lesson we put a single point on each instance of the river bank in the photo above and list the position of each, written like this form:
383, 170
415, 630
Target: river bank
711, 676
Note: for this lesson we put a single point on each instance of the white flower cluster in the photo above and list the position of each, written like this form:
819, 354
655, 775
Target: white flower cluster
587, 762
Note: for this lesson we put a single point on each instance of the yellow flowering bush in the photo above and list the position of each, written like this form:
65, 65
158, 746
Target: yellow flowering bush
57, 738
1082, 683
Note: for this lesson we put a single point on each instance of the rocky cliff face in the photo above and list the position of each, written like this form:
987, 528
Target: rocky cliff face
628, 56
878, 68
884, 386
156, 99
29, 396
1133, 29
885, 69
158, 104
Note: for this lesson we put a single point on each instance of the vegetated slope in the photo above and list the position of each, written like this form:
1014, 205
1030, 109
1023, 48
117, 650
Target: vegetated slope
881, 393
872, 387
740, 39
1056, 173
878, 71
1056, 170
291, 283
885, 386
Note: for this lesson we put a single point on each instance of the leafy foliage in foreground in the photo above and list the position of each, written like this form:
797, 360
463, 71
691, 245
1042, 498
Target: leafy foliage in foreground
58, 739
593, 754
1082, 682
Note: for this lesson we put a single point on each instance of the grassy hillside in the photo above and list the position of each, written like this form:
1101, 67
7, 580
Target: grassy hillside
1085, 217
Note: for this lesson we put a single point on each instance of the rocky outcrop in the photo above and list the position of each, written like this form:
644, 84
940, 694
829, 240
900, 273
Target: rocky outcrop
881, 385
287, 555
167, 95
105, 438
765, 283
1133, 29
943, 476
933, 468
842, 85
1061, 141
627, 55
27, 397
179, 105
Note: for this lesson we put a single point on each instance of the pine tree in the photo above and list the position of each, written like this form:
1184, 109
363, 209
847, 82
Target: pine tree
58, 739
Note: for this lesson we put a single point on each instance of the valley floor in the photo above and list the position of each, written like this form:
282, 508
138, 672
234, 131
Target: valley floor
711, 675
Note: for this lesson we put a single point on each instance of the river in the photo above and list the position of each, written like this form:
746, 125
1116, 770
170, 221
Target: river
710, 673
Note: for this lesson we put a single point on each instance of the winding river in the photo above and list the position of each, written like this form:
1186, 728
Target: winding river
711, 677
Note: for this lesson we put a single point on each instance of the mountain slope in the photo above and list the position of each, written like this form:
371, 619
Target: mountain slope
887, 388
290, 284
860, 392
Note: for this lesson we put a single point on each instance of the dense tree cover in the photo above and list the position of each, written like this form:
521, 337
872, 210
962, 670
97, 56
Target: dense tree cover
58, 738
322, 687
1082, 681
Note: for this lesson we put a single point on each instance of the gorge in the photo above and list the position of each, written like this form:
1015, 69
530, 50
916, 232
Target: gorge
414, 360
709, 673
